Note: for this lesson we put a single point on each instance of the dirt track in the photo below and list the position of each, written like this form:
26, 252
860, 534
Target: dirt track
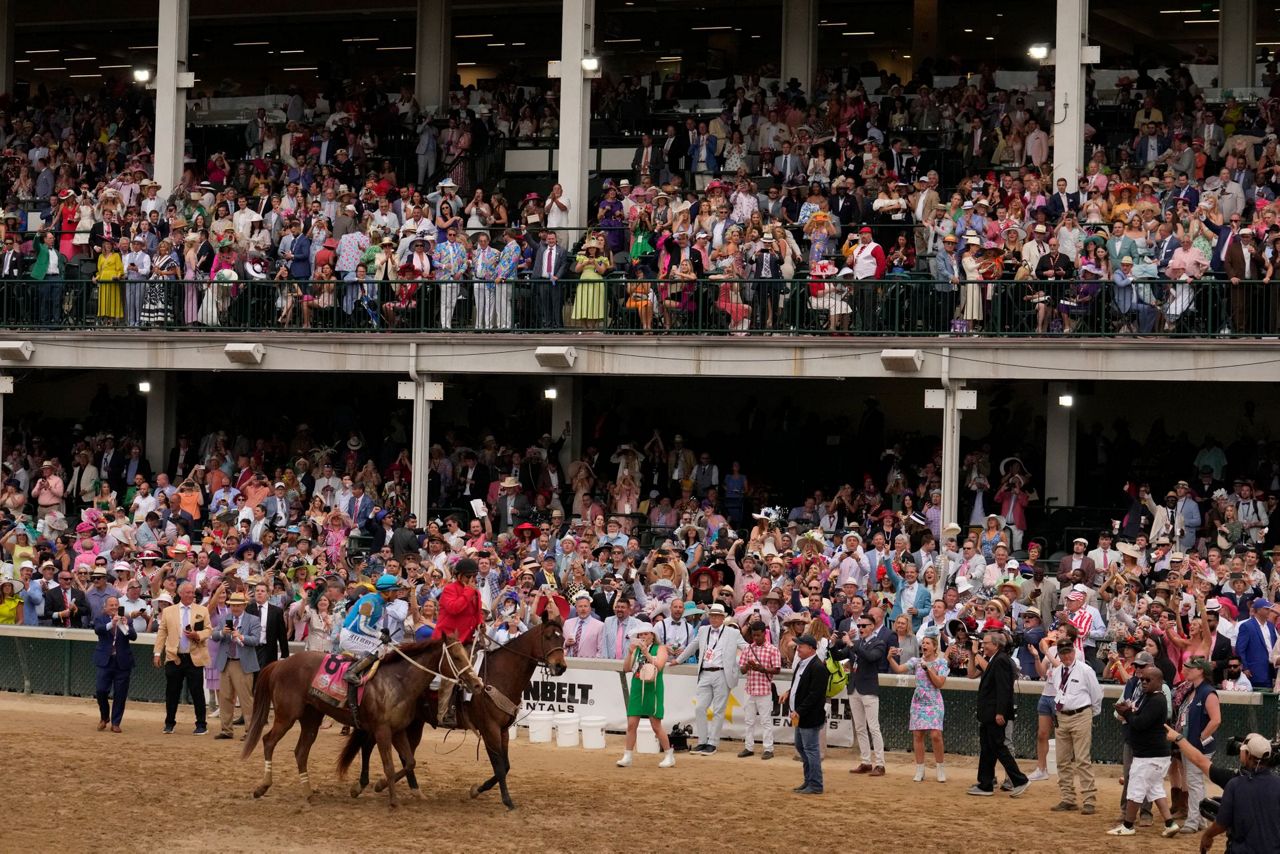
186, 794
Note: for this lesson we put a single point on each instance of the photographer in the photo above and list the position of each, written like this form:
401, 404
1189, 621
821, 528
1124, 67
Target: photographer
1249, 810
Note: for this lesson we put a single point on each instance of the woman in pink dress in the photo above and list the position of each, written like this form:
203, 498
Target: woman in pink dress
68, 220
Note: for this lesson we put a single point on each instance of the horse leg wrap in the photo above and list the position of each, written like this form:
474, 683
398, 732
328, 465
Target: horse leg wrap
266, 766
305, 779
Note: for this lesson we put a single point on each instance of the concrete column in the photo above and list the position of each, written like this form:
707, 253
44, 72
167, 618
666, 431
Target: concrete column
1236, 34
420, 449
7, 48
434, 56
799, 42
576, 40
951, 416
924, 31
162, 416
1068, 90
171, 83
1060, 448
566, 414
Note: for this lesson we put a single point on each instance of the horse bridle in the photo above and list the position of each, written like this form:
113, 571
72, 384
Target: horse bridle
541, 661
457, 672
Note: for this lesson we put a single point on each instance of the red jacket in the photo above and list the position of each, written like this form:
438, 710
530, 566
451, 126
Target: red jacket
460, 613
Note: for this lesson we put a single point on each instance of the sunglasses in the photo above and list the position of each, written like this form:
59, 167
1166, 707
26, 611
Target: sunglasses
864, 625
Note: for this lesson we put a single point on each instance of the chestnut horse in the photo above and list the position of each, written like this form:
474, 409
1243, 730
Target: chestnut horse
388, 705
507, 670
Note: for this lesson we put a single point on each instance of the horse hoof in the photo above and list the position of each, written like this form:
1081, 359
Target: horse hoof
393, 806
475, 792
356, 789
510, 806
380, 785
416, 794
260, 791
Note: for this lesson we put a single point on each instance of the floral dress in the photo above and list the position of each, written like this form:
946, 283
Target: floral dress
926, 702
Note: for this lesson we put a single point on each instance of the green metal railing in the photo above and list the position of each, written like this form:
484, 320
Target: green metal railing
59, 662
898, 305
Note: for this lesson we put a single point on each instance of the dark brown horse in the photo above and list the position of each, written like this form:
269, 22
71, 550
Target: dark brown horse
507, 670
389, 703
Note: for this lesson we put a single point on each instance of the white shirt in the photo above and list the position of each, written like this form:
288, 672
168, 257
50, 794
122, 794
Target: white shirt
262, 623
557, 218
713, 656
1082, 687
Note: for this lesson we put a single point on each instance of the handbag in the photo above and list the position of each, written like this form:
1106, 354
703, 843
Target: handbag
648, 672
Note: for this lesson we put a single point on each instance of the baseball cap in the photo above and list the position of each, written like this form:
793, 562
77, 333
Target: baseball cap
1257, 746
1144, 659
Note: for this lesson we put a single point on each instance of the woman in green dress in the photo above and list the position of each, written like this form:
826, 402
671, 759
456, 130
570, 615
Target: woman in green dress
645, 699
589, 303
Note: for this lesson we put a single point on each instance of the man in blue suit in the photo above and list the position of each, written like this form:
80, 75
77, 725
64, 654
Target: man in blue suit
1254, 641
299, 252
702, 156
360, 508
113, 657
237, 661
1062, 201
910, 596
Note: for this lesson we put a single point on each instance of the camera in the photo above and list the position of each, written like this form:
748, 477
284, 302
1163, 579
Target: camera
1235, 743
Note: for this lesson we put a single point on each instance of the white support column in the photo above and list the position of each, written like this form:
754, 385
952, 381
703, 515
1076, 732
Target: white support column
951, 416
577, 39
799, 42
1236, 49
434, 55
1068, 89
162, 416
420, 451
1060, 448
7, 54
566, 413
171, 83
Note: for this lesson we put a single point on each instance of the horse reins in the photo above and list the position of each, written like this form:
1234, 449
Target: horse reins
452, 665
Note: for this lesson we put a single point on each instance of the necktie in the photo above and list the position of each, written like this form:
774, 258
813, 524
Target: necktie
621, 629
183, 643
577, 636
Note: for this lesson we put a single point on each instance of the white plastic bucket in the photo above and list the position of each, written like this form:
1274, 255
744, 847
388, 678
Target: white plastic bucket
646, 741
513, 733
566, 730
1053, 756
540, 727
592, 732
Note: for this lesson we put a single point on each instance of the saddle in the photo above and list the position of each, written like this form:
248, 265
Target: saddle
330, 684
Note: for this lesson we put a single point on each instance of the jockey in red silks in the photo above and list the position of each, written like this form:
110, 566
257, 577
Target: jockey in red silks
460, 617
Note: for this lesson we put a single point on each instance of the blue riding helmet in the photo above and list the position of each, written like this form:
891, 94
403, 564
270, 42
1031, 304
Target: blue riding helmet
387, 582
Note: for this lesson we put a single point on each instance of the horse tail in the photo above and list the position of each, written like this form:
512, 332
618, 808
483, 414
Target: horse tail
262, 693
350, 750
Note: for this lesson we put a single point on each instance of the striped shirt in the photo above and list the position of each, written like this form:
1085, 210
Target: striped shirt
1083, 621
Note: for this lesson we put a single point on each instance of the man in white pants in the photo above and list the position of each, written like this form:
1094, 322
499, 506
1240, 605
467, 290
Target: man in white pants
868, 650
760, 661
717, 647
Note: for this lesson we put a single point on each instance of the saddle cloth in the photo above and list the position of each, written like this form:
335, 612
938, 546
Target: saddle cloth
329, 683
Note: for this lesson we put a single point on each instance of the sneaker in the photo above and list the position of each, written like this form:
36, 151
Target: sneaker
918, 777
625, 761
168, 730
200, 730
807, 791
1088, 809
768, 754
225, 735
238, 721
744, 753
708, 749
1171, 830
799, 789
1145, 819
668, 761
1188, 828
864, 768
1062, 806
1121, 830
1017, 791
1038, 776
699, 748
980, 792
1006, 786
942, 774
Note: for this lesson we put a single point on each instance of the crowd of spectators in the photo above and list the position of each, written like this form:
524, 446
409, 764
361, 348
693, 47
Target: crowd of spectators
903, 209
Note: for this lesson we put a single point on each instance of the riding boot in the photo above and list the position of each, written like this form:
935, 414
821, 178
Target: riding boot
446, 715
352, 678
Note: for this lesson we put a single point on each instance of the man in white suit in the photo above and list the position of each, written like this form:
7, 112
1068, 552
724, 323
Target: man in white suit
582, 631
716, 646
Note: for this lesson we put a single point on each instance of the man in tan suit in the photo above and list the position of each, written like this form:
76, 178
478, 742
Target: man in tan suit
183, 640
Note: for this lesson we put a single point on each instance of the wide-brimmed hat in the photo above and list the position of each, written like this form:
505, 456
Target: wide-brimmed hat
237, 599
509, 483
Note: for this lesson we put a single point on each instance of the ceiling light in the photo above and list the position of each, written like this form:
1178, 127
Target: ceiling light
79, 59
1184, 11
144, 387
991, 38
620, 41
18, 61
363, 39
142, 75
858, 34
968, 30
84, 75
51, 68
834, 24
299, 50
906, 56
465, 64
590, 63
495, 44
518, 44
475, 36
302, 68
1038, 51
104, 67
1065, 400
248, 44
144, 47
704, 29
550, 393
49, 50
1202, 21
397, 47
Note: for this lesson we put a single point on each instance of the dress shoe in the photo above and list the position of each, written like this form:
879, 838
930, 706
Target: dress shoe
808, 791
238, 721
225, 735
864, 768
115, 728
1087, 809
768, 754
744, 753
200, 730
1062, 806
877, 771
168, 730
102, 725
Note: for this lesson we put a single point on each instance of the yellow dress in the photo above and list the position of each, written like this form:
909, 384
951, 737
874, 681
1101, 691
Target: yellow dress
110, 271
